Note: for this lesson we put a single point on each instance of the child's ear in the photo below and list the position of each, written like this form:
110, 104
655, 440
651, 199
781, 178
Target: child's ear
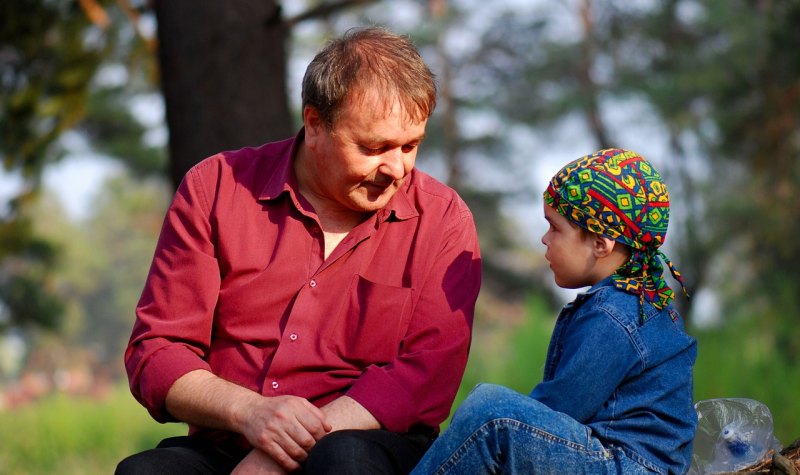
602, 246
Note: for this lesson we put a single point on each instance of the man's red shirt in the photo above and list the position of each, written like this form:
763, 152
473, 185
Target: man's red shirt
239, 286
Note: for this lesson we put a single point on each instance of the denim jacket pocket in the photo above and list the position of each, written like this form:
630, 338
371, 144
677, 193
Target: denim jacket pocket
371, 322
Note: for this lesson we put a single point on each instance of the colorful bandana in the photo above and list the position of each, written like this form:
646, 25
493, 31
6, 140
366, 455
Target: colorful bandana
618, 194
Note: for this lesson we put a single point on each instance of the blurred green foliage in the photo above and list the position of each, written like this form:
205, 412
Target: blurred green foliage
77, 436
717, 81
102, 264
27, 260
52, 55
47, 64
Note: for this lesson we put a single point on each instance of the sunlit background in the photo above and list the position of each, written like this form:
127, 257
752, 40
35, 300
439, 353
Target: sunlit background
707, 90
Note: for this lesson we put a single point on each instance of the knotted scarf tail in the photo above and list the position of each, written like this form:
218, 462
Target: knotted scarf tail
643, 275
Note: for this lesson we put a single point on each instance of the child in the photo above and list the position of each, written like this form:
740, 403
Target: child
617, 390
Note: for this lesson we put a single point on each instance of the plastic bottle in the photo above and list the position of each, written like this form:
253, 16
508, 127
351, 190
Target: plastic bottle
732, 434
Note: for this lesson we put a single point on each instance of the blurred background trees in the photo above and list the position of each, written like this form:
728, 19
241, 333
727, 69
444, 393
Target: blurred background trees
708, 90
55, 61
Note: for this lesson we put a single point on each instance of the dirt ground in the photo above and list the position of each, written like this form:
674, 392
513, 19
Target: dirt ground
786, 462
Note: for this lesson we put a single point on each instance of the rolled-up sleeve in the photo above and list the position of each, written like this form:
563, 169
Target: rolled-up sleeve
418, 387
175, 312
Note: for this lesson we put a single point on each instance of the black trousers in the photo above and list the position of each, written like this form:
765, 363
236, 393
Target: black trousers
348, 452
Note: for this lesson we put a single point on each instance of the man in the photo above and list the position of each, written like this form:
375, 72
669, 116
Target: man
310, 301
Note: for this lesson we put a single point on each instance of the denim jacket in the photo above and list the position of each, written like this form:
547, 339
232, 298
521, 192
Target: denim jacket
629, 381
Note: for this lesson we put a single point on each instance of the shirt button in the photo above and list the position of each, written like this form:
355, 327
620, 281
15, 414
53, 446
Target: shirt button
315, 230
293, 337
275, 385
313, 283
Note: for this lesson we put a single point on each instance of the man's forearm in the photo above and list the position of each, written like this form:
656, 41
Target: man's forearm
203, 399
346, 413
284, 427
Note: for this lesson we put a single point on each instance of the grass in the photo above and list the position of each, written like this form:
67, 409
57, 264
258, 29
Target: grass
64, 435
72, 436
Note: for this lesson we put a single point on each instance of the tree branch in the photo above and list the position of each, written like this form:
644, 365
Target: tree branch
324, 10
135, 18
95, 13
588, 85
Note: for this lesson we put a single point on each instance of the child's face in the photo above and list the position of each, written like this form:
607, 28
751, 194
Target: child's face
569, 251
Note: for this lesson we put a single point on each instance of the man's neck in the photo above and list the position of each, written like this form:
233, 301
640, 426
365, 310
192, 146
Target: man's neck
333, 217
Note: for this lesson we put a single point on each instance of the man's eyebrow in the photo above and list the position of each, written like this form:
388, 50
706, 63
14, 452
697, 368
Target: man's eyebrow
383, 140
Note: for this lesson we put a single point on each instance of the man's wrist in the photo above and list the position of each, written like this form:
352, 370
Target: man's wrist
202, 398
240, 409
346, 413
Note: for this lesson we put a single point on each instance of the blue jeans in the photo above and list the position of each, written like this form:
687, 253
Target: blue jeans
497, 430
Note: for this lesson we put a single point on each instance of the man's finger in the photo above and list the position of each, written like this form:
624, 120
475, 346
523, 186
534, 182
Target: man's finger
315, 427
281, 457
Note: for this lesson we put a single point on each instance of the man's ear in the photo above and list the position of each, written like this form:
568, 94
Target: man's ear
313, 123
602, 246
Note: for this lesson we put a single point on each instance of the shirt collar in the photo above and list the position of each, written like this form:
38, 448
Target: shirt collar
284, 179
400, 207
583, 296
607, 282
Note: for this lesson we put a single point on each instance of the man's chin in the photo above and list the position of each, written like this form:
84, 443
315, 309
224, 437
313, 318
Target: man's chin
372, 206
370, 202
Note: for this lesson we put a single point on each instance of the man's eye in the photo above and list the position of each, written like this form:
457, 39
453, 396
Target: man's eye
408, 148
372, 151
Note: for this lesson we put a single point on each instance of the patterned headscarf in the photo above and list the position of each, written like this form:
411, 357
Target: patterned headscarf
618, 194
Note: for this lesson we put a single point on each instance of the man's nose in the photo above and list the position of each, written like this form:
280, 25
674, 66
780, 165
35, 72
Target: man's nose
394, 163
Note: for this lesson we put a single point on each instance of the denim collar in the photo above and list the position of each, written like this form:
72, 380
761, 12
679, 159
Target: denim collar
583, 296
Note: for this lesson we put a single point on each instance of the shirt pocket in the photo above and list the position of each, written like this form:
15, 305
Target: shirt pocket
371, 323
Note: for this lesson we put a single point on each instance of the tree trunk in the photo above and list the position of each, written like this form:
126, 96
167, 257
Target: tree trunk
223, 74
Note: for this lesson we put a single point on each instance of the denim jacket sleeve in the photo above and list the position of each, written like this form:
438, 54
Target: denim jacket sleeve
589, 355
